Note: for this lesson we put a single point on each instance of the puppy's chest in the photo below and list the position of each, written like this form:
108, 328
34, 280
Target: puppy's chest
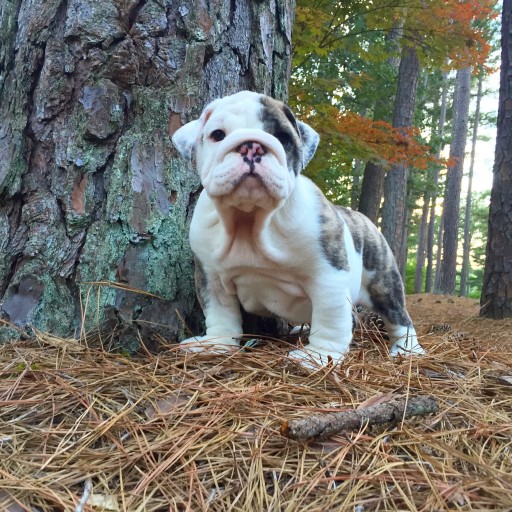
262, 284
256, 266
263, 292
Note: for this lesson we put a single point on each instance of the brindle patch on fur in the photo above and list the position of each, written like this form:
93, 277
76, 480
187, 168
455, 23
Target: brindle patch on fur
331, 237
385, 288
387, 296
376, 253
355, 225
278, 120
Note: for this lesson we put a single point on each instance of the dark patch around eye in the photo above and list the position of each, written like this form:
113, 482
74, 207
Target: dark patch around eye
284, 138
278, 120
289, 115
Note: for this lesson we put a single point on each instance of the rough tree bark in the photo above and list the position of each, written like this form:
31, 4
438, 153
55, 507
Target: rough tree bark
90, 187
496, 297
464, 273
451, 207
395, 184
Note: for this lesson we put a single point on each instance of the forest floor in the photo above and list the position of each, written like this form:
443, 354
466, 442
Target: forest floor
86, 430
462, 316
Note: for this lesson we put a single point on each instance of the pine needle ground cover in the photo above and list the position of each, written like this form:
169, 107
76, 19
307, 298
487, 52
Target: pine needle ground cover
86, 430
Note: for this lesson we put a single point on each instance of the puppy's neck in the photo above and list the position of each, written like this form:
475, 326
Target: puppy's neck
244, 225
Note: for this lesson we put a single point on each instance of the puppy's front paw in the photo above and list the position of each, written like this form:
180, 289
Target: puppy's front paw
312, 357
215, 344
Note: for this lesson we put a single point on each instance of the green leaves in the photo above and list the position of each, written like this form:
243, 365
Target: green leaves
344, 76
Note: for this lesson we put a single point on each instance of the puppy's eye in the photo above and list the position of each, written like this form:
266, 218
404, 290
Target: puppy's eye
218, 135
284, 138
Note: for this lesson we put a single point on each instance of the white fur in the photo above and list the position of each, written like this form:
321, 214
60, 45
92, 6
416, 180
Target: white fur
258, 240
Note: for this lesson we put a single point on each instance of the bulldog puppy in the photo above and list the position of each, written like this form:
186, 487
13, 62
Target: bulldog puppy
265, 237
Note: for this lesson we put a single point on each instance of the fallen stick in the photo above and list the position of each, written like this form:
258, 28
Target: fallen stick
320, 426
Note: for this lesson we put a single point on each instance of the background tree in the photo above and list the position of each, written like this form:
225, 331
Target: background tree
432, 198
425, 245
394, 210
451, 206
91, 190
479, 218
496, 299
464, 274
372, 186
344, 82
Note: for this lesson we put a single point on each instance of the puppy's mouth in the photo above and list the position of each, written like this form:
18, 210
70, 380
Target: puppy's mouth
248, 175
250, 190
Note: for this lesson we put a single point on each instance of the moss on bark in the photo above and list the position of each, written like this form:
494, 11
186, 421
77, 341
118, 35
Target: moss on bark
91, 189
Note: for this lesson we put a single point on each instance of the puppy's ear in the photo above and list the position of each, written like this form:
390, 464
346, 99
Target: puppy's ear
184, 138
310, 140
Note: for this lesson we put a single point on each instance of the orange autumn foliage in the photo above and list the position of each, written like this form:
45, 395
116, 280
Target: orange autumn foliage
373, 140
328, 34
393, 145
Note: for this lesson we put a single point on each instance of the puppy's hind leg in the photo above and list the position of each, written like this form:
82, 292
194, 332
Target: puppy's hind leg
388, 300
331, 324
404, 339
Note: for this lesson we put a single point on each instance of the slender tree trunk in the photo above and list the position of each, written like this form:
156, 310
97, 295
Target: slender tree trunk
91, 189
439, 255
451, 207
395, 184
372, 189
464, 288
372, 186
405, 234
421, 253
496, 300
429, 277
356, 184
422, 243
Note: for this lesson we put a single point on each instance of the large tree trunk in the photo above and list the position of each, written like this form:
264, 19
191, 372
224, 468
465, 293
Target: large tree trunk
395, 184
91, 189
464, 274
496, 297
451, 207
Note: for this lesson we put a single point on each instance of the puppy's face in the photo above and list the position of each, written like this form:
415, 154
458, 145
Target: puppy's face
248, 150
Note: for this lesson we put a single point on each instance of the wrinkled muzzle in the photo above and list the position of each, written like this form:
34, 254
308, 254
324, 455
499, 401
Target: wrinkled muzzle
249, 165
234, 141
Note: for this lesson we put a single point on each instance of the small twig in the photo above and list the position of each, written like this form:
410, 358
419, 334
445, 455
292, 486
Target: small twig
85, 496
320, 426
